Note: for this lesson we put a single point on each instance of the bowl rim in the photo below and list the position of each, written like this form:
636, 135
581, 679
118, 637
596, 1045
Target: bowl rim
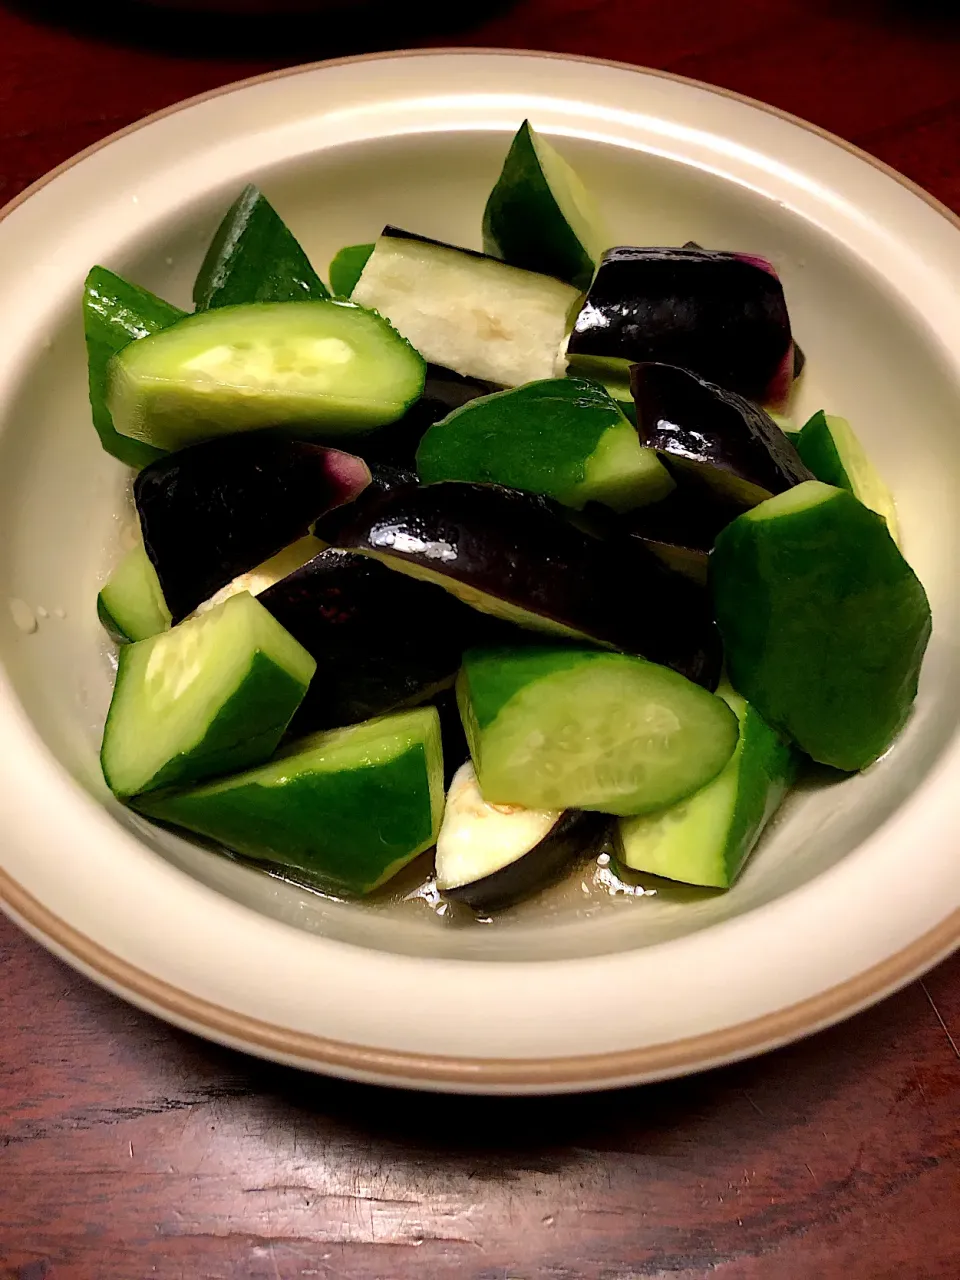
272, 1040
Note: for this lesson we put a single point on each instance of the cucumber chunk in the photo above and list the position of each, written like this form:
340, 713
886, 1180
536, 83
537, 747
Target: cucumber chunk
115, 313
553, 728
833, 453
540, 216
707, 838
565, 438
325, 368
131, 604
349, 808
254, 257
346, 268
468, 312
214, 694
823, 622
492, 856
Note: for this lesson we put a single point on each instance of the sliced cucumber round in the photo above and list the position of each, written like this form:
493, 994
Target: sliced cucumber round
540, 216
348, 808
214, 694
325, 368
833, 453
824, 623
565, 438
553, 728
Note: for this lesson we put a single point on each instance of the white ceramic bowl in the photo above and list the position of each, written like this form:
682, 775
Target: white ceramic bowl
857, 888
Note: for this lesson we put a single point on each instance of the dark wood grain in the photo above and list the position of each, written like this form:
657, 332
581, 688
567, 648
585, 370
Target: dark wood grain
129, 1150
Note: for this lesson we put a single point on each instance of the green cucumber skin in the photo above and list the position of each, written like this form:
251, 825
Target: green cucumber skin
346, 268
254, 257
824, 625
130, 605
267, 696
112, 627
523, 224
350, 838
540, 438
115, 313
767, 767
815, 445
709, 835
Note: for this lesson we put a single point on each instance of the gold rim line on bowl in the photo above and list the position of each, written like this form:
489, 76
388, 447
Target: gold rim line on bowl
405, 1068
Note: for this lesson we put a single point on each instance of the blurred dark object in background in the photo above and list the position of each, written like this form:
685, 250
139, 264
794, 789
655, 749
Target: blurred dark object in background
299, 30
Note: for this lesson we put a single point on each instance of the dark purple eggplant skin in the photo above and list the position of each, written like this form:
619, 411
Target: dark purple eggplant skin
707, 435
455, 749
381, 640
396, 445
572, 836
218, 509
722, 315
682, 528
522, 549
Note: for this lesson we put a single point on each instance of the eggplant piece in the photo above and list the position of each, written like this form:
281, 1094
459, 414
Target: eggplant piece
215, 510
382, 641
713, 437
517, 557
443, 391
681, 529
492, 856
467, 311
721, 315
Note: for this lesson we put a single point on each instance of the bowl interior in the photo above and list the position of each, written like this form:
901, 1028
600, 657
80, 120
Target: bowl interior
65, 512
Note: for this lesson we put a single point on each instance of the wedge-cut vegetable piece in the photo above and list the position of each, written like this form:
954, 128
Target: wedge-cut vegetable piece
131, 604
219, 509
833, 453
325, 368
681, 529
564, 438
492, 856
346, 267
540, 216
254, 257
565, 728
466, 311
713, 437
382, 640
721, 315
824, 622
116, 313
518, 558
214, 694
348, 808
707, 838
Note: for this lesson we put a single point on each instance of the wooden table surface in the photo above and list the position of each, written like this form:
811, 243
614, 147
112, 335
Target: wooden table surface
129, 1150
